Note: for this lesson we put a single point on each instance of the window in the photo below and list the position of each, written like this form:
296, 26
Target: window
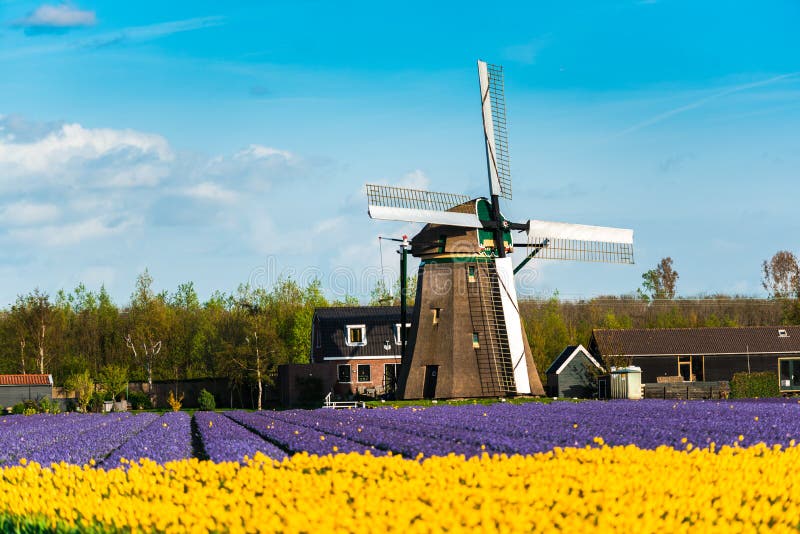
355, 335
364, 373
475, 342
317, 337
789, 374
397, 332
344, 373
391, 372
437, 312
783, 333
470, 273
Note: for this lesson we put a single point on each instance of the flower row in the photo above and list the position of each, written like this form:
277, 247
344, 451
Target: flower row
573, 490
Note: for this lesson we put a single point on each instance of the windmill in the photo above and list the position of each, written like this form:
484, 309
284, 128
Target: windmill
467, 338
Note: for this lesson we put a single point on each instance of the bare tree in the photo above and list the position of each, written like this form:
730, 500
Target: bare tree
660, 283
257, 367
33, 316
781, 275
150, 349
22, 353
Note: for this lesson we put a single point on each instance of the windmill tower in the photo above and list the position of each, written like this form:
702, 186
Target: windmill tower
467, 337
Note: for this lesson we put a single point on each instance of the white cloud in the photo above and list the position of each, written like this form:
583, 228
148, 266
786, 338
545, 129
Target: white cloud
211, 191
703, 101
414, 180
91, 156
257, 168
150, 32
60, 16
28, 213
262, 152
70, 234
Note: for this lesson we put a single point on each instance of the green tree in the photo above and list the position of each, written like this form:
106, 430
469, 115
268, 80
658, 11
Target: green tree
548, 334
114, 379
186, 341
781, 275
83, 387
147, 325
660, 283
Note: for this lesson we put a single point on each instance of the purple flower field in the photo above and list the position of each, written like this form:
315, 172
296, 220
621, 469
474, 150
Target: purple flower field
227, 441
467, 430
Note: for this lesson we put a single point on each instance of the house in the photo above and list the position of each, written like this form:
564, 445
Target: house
573, 374
354, 350
18, 388
703, 354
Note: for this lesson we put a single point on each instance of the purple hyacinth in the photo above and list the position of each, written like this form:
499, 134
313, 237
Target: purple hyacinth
227, 441
167, 438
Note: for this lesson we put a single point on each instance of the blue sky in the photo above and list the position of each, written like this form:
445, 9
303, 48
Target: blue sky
229, 142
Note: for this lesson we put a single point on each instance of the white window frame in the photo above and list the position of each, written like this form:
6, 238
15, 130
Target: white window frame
397, 333
349, 328
349, 373
358, 377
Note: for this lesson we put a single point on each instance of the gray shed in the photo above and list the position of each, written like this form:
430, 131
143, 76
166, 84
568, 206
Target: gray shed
573, 374
18, 388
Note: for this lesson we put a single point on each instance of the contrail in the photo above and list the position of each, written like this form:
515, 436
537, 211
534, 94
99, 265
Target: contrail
703, 101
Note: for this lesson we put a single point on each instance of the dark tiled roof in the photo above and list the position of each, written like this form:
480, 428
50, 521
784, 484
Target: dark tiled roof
561, 359
26, 380
697, 341
565, 355
352, 313
331, 323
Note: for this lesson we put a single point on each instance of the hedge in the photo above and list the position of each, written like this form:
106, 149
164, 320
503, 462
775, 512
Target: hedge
750, 385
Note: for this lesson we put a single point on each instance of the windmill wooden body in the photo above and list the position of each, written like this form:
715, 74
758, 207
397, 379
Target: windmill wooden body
467, 338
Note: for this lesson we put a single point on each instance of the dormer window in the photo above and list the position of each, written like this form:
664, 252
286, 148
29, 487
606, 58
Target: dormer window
397, 332
355, 335
783, 333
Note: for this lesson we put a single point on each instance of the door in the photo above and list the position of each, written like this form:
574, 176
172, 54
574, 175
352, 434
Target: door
429, 387
685, 368
698, 368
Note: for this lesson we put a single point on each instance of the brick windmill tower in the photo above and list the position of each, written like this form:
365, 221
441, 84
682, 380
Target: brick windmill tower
467, 337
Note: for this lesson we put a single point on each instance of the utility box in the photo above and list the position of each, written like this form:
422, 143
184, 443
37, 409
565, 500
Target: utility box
626, 383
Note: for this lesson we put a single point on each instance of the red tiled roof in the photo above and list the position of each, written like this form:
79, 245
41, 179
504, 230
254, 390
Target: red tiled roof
697, 341
26, 380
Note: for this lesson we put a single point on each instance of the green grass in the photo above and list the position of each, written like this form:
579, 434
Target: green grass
32, 525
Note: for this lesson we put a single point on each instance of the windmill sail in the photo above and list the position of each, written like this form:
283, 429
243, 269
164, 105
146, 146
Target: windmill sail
565, 241
415, 205
493, 103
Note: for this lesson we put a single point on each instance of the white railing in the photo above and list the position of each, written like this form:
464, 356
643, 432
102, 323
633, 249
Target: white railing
330, 403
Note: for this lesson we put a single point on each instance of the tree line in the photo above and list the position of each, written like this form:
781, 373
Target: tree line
160, 336
552, 324
244, 335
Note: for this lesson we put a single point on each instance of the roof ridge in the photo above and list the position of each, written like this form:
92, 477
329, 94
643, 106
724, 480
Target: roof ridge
693, 328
